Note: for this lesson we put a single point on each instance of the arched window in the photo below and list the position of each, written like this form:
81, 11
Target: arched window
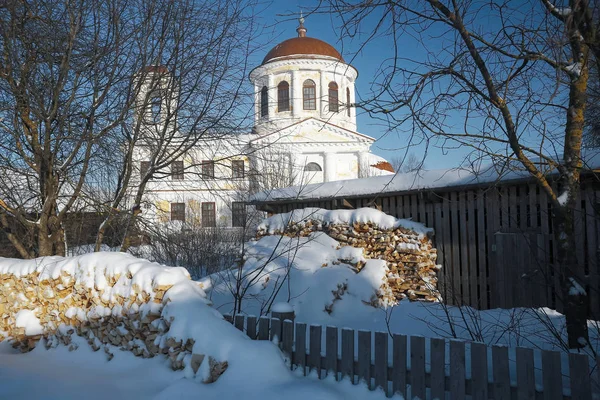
348, 101
153, 115
283, 96
264, 101
309, 95
334, 105
312, 166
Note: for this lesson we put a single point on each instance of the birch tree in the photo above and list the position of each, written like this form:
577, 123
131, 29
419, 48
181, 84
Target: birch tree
505, 79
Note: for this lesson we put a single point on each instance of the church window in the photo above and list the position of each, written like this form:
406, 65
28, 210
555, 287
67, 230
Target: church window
333, 97
312, 166
283, 96
178, 212
237, 169
348, 101
309, 95
209, 219
153, 115
264, 102
177, 170
238, 213
208, 169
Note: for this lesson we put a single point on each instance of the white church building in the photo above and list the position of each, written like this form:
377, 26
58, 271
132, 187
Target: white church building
304, 132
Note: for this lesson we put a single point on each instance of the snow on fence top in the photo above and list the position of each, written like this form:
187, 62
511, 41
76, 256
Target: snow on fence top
416, 180
279, 222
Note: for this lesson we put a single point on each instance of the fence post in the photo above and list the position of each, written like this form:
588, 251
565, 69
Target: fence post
263, 328
348, 354
239, 322
381, 360
579, 372
315, 348
331, 351
251, 327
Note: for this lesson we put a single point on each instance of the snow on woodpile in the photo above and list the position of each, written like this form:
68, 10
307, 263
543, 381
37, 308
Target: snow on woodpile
405, 246
114, 301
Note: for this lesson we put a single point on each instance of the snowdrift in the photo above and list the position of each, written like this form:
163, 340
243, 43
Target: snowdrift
330, 262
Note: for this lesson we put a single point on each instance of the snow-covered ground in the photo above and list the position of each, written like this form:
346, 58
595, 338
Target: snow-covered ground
256, 370
318, 280
58, 374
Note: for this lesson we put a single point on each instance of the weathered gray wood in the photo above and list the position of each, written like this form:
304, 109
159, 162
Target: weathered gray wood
399, 365
481, 251
457, 369
438, 226
525, 374
417, 366
300, 347
275, 329
331, 350
579, 373
500, 290
348, 354
464, 251
493, 224
500, 368
287, 337
263, 328
448, 270
239, 322
315, 349
228, 318
479, 371
438, 369
364, 357
381, 360
472, 249
251, 328
456, 266
592, 253
551, 375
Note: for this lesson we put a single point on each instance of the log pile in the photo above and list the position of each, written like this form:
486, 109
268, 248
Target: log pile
410, 257
107, 320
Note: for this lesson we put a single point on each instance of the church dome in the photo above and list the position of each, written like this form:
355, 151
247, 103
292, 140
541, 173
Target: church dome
302, 46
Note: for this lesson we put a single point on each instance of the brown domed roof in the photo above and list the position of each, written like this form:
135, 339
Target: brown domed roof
302, 46
384, 166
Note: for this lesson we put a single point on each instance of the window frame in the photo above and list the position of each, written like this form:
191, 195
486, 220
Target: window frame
208, 166
207, 220
177, 170
307, 101
264, 101
238, 214
177, 214
238, 169
283, 96
311, 169
333, 97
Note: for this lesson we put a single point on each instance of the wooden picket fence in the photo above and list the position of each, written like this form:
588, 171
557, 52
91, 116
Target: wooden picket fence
408, 369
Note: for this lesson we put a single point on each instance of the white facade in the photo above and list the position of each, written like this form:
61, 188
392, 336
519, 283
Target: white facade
298, 138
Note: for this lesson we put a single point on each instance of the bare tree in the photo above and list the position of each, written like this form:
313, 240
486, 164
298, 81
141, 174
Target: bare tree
407, 163
512, 89
77, 80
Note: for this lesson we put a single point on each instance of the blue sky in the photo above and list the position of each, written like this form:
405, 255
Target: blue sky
280, 25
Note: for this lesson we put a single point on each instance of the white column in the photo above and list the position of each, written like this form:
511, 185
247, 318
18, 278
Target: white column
363, 164
352, 101
272, 95
256, 103
296, 94
322, 96
330, 170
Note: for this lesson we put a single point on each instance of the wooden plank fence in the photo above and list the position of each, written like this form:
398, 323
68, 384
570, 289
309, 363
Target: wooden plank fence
496, 243
424, 368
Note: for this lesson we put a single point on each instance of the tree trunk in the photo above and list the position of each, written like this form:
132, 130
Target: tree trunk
574, 297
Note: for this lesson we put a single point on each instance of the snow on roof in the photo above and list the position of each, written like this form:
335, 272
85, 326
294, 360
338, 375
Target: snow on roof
411, 181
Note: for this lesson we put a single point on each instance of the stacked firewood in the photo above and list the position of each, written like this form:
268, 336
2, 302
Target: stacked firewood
104, 317
411, 258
